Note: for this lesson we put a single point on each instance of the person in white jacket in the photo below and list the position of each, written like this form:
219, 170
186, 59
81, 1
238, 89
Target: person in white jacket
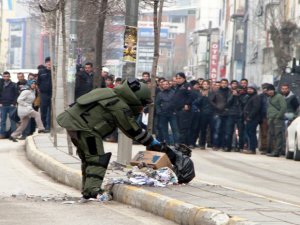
26, 111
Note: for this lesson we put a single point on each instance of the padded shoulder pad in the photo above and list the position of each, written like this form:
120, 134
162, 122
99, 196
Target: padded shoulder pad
96, 95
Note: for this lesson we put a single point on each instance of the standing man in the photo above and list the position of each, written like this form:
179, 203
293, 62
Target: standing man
8, 99
44, 83
22, 82
181, 104
219, 102
166, 114
84, 80
263, 122
252, 116
103, 76
292, 104
275, 114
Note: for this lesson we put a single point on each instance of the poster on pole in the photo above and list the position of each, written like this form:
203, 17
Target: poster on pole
130, 44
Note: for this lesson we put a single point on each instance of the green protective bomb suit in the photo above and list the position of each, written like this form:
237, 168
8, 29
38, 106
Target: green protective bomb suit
94, 116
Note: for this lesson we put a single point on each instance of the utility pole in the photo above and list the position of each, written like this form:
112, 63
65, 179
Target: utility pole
129, 70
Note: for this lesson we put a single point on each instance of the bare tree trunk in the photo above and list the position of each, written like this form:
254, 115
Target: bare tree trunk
65, 64
54, 76
157, 17
99, 41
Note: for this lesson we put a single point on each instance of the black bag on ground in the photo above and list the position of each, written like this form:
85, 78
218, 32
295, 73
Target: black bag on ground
183, 165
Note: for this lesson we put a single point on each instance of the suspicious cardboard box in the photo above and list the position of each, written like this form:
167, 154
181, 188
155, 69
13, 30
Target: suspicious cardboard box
152, 159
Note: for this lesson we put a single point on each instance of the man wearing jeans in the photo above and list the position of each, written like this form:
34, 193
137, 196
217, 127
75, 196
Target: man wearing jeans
8, 99
44, 83
166, 114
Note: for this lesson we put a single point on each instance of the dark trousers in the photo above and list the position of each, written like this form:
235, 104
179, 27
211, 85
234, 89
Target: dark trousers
232, 122
195, 128
276, 134
165, 120
250, 129
206, 120
263, 135
184, 124
45, 108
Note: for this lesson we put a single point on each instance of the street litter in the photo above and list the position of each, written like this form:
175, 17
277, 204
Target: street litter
68, 202
148, 176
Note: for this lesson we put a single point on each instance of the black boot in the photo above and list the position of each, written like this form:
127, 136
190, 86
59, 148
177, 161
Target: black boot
273, 154
13, 139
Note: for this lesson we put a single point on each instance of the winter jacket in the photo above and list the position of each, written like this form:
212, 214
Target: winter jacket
83, 83
252, 107
205, 104
264, 105
163, 102
183, 96
219, 101
9, 93
25, 101
276, 107
44, 81
292, 103
234, 105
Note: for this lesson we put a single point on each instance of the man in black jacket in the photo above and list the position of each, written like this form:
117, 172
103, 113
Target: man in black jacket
166, 114
84, 80
44, 83
219, 102
252, 117
181, 104
8, 100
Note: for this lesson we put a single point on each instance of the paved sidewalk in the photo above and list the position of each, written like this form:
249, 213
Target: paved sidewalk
196, 203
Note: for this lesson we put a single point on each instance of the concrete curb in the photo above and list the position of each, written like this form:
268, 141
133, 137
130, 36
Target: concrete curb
53, 168
169, 208
172, 209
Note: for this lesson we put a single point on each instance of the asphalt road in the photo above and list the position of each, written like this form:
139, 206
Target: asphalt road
275, 178
29, 197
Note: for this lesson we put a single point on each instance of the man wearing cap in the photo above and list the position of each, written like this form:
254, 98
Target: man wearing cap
275, 114
103, 76
263, 121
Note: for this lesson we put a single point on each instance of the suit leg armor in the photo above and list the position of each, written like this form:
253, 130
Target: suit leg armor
94, 164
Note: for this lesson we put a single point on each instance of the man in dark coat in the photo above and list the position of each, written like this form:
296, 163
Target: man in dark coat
219, 100
181, 104
84, 80
252, 117
44, 83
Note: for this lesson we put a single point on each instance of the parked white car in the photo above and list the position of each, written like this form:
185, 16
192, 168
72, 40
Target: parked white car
292, 150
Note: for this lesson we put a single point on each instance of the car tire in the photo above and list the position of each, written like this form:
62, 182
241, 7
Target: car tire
297, 151
288, 154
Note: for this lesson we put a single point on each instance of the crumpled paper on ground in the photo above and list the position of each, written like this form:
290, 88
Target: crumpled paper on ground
147, 176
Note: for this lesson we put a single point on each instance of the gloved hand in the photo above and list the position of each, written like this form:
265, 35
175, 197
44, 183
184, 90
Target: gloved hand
154, 142
155, 145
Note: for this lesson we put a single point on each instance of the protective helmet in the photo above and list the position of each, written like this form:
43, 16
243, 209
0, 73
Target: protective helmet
140, 90
134, 93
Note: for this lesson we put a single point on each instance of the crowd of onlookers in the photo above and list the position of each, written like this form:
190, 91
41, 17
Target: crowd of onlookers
200, 113
224, 115
26, 104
